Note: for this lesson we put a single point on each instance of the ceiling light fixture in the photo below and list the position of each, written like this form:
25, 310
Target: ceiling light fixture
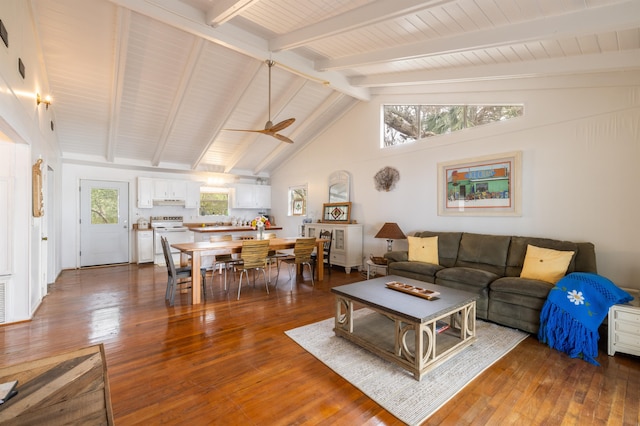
46, 100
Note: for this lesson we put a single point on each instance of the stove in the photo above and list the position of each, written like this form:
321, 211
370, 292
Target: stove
173, 229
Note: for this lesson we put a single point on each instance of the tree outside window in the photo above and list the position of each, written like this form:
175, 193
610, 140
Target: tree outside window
214, 201
409, 123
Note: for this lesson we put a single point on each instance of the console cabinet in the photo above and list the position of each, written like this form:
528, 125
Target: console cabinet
346, 243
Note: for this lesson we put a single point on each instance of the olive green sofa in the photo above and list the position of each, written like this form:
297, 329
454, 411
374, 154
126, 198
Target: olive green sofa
490, 266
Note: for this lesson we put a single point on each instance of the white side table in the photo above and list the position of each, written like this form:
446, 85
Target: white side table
624, 328
375, 267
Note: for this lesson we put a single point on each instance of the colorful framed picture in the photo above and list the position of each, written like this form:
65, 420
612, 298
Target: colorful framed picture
336, 212
482, 186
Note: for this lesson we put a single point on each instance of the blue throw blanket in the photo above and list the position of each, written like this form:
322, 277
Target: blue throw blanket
574, 310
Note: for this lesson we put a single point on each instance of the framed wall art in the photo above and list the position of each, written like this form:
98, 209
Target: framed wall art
481, 186
336, 212
37, 199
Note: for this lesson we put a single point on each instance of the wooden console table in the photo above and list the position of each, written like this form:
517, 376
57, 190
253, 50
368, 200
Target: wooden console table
71, 388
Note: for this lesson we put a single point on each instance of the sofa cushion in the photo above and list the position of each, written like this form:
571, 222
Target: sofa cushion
521, 286
545, 264
448, 243
423, 249
486, 252
417, 270
518, 250
476, 278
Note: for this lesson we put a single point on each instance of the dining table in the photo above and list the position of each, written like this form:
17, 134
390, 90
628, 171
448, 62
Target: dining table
197, 250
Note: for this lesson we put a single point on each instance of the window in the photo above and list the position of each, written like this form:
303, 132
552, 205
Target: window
214, 201
408, 123
104, 206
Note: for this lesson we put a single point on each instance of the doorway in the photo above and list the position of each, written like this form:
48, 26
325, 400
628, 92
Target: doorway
104, 222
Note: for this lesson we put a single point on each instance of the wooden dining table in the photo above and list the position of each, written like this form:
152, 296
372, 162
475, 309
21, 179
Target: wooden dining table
197, 250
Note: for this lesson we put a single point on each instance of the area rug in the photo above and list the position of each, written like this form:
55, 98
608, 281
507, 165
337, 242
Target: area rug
393, 387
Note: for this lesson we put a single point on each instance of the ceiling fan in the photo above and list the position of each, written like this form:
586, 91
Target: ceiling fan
270, 128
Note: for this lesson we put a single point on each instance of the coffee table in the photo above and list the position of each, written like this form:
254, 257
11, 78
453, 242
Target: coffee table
405, 328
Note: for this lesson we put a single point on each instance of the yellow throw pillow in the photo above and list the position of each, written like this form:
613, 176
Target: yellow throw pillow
423, 249
545, 264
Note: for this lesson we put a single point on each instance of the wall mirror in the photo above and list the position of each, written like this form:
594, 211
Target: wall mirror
339, 183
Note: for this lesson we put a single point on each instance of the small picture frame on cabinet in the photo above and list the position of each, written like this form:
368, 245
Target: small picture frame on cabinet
336, 212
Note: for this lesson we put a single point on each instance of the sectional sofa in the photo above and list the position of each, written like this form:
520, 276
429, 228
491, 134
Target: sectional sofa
491, 265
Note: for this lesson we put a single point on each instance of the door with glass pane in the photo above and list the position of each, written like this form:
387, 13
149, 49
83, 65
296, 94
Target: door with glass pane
104, 222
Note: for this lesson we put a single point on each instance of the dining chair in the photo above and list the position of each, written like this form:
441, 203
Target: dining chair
226, 260
301, 256
177, 276
326, 250
253, 256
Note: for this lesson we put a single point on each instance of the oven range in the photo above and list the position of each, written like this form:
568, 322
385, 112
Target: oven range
173, 229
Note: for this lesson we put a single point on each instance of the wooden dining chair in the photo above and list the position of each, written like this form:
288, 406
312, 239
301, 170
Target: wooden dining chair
225, 260
326, 251
253, 257
180, 275
301, 256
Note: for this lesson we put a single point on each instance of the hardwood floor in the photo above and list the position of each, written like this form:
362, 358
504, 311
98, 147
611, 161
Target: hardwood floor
229, 362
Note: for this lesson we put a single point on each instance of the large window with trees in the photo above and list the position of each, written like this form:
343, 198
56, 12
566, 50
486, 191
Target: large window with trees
409, 123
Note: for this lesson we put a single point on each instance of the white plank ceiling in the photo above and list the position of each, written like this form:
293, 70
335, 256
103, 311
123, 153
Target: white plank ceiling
155, 83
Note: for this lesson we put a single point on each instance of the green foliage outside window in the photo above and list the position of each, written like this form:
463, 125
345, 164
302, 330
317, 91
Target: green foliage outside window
214, 203
104, 206
408, 123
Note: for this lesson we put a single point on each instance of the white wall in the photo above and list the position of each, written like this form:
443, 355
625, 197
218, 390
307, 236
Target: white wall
27, 126
580, 143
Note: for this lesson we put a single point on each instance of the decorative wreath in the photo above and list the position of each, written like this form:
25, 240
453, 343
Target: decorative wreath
386, 179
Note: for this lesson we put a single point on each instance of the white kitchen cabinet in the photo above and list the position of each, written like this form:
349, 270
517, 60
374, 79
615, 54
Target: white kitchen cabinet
247, 196
346, 243
144, 241
169, 189
145, 193
192, 200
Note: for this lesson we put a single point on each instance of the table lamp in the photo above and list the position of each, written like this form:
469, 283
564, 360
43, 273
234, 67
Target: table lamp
391, 231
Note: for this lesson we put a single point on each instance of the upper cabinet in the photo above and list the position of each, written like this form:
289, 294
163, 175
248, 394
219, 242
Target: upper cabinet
247, 196
175, 191
168, 189
145, 193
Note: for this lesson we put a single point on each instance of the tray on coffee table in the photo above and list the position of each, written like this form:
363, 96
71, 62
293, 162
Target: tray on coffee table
412, 290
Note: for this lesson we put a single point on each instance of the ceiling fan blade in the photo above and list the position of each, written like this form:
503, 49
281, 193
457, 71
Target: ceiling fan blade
266, 132
282, 138
282, 125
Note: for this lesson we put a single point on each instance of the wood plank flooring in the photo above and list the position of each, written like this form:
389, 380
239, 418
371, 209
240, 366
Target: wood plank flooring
228, 362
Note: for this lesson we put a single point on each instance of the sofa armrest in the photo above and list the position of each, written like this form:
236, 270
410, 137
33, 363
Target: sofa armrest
396, 256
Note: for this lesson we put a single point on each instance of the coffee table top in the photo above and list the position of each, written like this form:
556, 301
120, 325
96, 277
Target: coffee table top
374, 293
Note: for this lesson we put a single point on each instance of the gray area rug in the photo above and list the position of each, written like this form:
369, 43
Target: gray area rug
395, 388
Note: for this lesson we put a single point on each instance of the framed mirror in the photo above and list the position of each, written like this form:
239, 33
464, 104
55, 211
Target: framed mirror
339, 186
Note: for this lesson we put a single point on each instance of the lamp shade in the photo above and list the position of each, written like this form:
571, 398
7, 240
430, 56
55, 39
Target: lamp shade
391, 231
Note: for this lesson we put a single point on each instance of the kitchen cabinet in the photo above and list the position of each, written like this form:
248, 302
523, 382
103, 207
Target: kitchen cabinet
145, 193
144, 245
346, 243
168, 189
247, 196
192, 199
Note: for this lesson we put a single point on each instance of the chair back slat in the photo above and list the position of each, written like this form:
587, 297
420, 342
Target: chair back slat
254, 253
166, 250
303, 248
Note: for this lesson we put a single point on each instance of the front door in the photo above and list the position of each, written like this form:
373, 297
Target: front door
104, 222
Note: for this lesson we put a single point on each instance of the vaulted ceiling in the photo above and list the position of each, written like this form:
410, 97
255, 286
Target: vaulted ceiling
155, 83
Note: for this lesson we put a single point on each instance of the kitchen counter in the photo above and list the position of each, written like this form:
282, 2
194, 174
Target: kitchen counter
207, 229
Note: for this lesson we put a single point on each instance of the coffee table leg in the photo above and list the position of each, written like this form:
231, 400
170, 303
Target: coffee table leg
344, 315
